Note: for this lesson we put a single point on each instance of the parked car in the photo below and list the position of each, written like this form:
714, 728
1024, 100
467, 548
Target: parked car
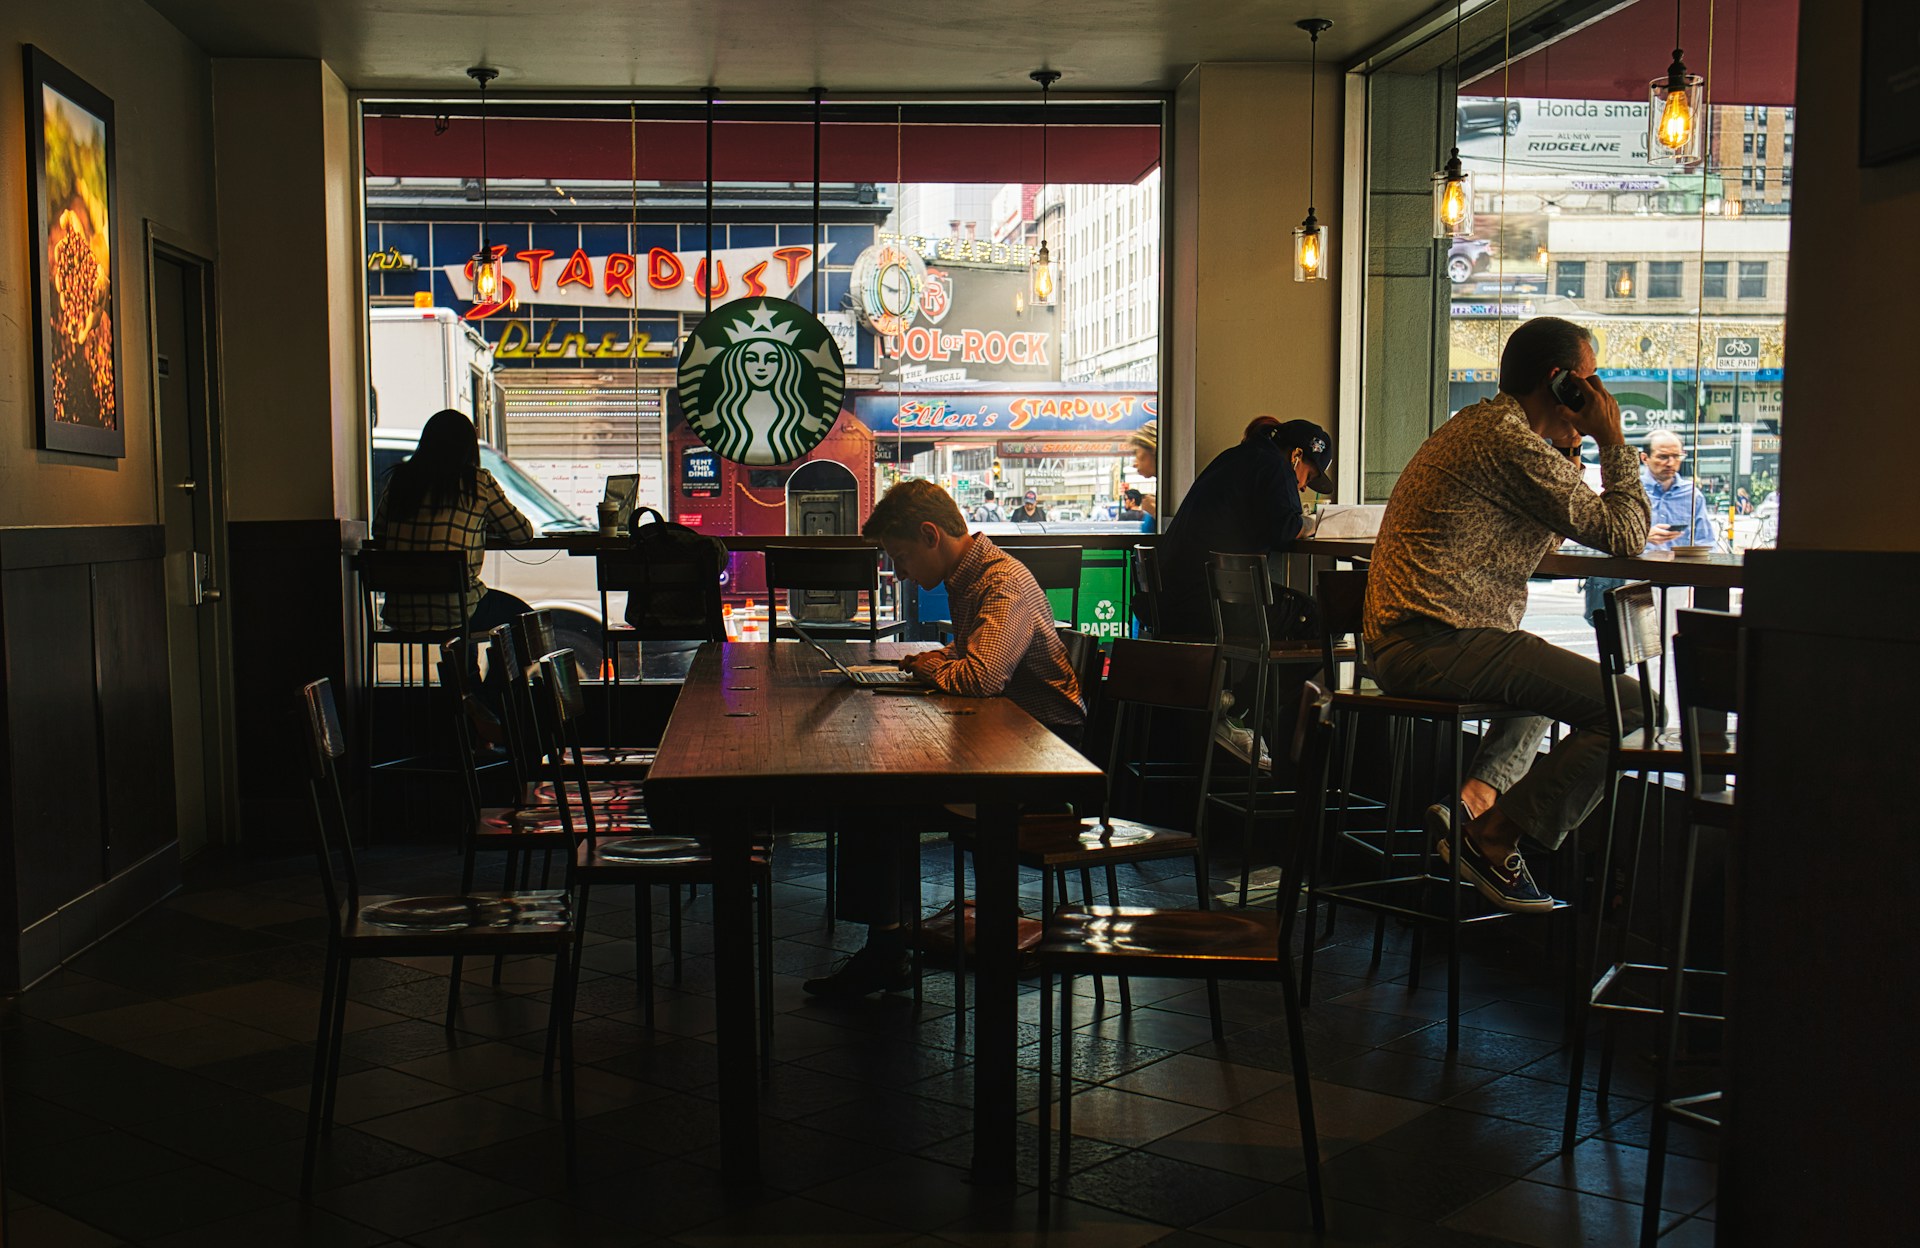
1487, 113
1466, 257
549, 580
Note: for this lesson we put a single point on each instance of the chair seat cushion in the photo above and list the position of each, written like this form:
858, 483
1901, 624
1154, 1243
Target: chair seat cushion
1380, 701
666, 855
546, 821
1642, 746
1175, 936
541, 911
603, 793
1066, 840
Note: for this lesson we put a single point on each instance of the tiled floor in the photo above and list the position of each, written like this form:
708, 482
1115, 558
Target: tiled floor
156, 1094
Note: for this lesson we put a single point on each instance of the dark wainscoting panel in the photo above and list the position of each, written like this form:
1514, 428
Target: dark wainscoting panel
87, 811
294, 620
1826, 930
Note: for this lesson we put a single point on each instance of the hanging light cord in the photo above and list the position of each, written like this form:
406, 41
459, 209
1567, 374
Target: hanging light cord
709, 282
1313, 107
816, 201
486, 210
1041, 207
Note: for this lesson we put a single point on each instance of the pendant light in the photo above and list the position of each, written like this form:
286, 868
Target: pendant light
485, 265
1452, 184
1043, 275
1676, 112
1310, 237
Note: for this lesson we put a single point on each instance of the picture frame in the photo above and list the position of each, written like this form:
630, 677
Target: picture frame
75, 248
1889, 82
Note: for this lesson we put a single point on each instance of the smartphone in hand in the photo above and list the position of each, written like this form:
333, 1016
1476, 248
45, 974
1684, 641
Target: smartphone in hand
1569, 390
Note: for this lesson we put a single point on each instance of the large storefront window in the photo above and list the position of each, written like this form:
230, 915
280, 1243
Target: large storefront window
914, 249
1679, 272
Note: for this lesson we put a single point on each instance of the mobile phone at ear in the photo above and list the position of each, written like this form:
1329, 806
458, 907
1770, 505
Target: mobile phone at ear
1567, 388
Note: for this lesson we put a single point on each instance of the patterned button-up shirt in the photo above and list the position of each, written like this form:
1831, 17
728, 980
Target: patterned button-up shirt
1004, 640
1478, 506
462, 527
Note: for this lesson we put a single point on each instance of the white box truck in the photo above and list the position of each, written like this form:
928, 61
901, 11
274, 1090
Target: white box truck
425, 360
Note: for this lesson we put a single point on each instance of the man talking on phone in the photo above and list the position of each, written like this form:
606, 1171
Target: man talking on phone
1484, 498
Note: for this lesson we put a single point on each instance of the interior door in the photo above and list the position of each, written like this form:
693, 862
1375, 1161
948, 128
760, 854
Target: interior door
193, 511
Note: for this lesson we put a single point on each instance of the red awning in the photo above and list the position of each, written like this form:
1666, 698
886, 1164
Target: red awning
1754, 47
580, 149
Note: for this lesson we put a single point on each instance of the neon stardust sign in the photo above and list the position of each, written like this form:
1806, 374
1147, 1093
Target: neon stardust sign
660, 279
939, 414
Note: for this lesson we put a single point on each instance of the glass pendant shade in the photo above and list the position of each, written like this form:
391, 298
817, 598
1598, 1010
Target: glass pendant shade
485, 266
1310, 251
1453, 200
1677, 115
1043, 275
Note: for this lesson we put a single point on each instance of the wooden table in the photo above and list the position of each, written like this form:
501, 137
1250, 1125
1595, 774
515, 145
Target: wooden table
759, 727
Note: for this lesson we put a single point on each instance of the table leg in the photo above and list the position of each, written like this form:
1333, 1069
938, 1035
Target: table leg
996, 970
735, 1024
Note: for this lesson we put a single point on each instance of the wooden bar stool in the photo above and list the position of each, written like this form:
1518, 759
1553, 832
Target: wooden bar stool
1630, 639
1341, 596
1709, 663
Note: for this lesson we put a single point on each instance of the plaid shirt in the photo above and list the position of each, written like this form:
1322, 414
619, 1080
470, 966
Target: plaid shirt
1004, 640
463, 526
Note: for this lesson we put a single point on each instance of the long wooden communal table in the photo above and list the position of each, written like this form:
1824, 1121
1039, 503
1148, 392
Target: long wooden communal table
1715, 574
759, 727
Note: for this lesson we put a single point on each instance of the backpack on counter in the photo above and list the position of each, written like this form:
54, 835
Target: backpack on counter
673, 580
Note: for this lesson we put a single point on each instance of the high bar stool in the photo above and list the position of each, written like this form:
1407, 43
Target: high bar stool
1341, 596
1709, 660
1630, 639
1242, 597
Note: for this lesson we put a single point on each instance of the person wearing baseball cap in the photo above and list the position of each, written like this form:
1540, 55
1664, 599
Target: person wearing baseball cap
1247, 499
1030, 511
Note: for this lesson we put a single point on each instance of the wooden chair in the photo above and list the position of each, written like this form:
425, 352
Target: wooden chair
1341, 598
1709, 665
384, 574
1191, 944
507, 923
823, 585
1143, 676
1055, 568
1145, 561
648, 580
1631, 640
614, 856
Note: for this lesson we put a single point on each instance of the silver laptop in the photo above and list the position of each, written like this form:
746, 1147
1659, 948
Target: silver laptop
890, 677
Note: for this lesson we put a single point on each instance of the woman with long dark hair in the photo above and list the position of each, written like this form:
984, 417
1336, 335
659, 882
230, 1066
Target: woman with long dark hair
440, 498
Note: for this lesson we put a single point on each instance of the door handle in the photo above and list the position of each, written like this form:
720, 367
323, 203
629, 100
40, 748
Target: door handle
188, 486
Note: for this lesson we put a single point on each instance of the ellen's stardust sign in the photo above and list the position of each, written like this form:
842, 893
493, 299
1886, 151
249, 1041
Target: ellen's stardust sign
1107, 411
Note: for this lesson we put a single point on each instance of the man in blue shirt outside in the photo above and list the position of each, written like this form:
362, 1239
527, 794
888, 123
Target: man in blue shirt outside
1680, 516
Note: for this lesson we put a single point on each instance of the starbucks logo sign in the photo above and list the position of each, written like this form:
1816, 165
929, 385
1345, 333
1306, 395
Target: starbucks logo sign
761, 381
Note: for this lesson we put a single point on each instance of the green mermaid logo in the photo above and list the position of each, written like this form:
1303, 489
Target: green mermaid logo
761, 381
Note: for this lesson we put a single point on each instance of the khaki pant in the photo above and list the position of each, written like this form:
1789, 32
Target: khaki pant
1547, 796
